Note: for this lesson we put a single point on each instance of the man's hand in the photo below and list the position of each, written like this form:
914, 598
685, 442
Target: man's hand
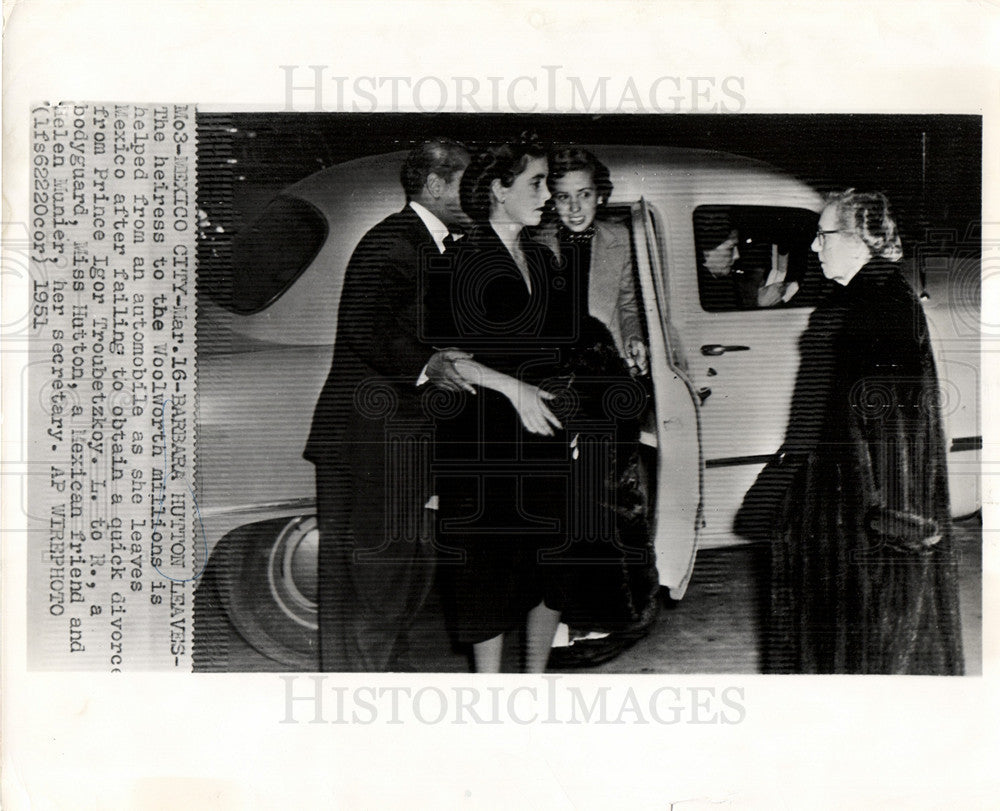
637, 356
441, 371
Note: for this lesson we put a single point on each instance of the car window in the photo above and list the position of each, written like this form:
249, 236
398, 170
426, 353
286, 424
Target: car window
264, 258
756, 257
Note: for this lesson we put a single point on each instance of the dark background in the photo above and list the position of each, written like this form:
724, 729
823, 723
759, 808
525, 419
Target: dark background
930, 166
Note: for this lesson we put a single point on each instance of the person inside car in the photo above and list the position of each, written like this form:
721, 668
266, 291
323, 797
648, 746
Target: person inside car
738, 271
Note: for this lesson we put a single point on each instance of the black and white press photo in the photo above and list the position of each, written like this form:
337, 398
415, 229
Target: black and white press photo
619, 394
451, 405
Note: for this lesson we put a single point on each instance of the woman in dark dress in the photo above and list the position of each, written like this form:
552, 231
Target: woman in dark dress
864, 575
510, 475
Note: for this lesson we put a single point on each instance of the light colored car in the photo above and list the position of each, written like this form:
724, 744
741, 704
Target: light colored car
723, 371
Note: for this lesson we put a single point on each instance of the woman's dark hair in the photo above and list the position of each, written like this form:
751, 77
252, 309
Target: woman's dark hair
575, 159
503, 163
867, 214
713, 225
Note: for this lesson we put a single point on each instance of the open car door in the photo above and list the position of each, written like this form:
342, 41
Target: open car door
673, 430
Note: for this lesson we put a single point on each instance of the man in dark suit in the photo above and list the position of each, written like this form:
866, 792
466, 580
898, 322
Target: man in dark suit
370, 438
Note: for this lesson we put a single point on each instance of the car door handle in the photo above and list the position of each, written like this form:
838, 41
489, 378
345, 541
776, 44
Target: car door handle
721, 349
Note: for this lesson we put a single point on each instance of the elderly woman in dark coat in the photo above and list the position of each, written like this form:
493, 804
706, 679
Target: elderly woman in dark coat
864, 573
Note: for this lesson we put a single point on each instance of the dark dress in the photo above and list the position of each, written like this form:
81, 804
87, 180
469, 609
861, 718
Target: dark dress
517, 510
864, 576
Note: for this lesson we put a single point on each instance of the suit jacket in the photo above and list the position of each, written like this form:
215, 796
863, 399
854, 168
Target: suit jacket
378, 355
611, 298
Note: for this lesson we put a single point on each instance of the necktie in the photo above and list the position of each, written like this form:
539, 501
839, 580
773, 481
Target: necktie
448, 242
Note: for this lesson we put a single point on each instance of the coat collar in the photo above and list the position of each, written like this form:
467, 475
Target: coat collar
607, 234
873, 271
484, 238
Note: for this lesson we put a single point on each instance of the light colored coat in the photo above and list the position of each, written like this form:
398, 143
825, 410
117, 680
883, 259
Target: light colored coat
611, 298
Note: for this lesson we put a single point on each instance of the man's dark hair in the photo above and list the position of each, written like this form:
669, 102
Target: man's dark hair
440, 156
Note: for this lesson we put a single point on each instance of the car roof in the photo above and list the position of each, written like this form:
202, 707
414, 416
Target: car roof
636, 171
355, 195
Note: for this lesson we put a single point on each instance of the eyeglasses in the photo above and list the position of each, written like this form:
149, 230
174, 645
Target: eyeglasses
821, 234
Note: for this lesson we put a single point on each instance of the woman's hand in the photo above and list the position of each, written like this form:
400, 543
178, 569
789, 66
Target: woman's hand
528, 400
637, 356
535, 415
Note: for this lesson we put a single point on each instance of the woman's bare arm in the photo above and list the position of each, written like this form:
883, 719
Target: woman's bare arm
527, 399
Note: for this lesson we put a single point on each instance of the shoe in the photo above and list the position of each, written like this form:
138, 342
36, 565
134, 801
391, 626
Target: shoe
593, 652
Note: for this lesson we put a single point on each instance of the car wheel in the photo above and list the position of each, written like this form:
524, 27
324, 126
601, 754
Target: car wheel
266, 580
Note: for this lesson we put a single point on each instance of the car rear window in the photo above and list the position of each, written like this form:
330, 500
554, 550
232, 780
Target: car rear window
266, 256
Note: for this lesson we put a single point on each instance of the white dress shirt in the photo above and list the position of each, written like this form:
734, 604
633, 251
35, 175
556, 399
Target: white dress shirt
438, 231
437, 228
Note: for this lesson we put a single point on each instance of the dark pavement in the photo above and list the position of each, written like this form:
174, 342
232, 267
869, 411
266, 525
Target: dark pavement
714, 629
